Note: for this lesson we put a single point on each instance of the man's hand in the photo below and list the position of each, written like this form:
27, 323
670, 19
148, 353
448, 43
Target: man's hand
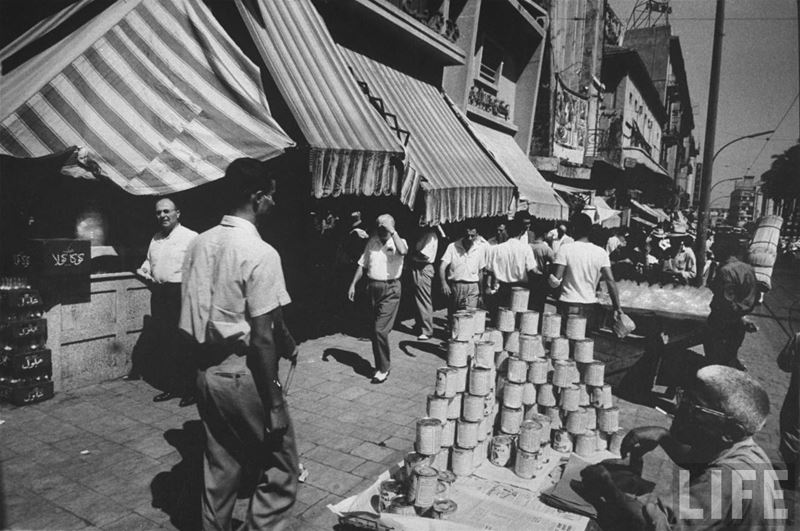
351, 293
446, 290
640, 441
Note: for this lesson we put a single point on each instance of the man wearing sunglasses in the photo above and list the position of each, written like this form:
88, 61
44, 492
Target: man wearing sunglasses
731, 483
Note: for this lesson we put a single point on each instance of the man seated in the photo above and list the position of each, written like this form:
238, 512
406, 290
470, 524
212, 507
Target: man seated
731, 483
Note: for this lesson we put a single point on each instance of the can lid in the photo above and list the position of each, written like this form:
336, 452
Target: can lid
445, 506
425, 470
429, 421
446, 476
531, 424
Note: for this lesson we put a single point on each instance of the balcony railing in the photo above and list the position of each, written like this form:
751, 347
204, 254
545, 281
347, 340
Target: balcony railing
433, 14
488, 102
605, 144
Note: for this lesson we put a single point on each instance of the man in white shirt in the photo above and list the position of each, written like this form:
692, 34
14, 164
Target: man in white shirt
510, 263
683, 267
233, 296
579, 266
162, 270
382, 263
460, 271
558, 237
422, 270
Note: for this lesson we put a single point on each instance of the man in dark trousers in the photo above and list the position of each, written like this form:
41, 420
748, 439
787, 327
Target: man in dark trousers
382, 263
233, 295
162, 271
735, 295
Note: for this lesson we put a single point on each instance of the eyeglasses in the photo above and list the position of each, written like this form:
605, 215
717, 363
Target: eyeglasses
689, 406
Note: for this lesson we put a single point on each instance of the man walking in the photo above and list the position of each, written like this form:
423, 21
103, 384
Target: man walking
162, 271
422, 269
559, 237
579, 266
510, 264
382, 263
460, 271
544, 256
233, 294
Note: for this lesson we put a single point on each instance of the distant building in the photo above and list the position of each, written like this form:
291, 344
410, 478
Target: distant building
743, 202
717, 215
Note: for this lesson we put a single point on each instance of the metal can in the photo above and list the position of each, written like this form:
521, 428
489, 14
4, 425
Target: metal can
528, 394
505, 320
473, 407
594, 374
519, 299
562, 442
537, 371
411, 461
446, 479
500, 453
576, 327
454, 406
608, 419
460, 376
437, 407
525, 463
401, 505
510, 420
463, 327
551, 325
529, 322
517, 371
442, 509
467, 434
458, 353
448, 433
424, 486
545, 396
478, 321
446, 383
441, 459
389, 491
512, 395
583, 350
585, 444
480, 381
559, 348
484, 354
570, 398
461, 461
531, 347
530, 436
429, 436
511, 341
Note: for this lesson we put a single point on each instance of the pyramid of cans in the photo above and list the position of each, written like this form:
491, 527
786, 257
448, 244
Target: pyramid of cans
511, 390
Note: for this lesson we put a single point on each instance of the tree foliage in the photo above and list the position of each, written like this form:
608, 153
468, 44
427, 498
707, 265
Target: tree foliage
782, 179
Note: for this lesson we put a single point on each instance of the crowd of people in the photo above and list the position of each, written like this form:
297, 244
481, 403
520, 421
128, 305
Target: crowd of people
218, 300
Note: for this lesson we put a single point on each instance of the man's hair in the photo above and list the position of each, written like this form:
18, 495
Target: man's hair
470, 225
167, 198
736, 394
515, 228
385, 217
243, 178
581, 225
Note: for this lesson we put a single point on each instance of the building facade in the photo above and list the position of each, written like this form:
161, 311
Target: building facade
743, 209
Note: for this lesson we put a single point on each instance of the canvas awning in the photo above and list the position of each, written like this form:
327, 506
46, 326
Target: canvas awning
534, 191
649, 211
604, 214
643, 221
455, 174
352, 149
154, 93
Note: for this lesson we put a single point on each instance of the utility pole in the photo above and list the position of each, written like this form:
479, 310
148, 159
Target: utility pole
708, 150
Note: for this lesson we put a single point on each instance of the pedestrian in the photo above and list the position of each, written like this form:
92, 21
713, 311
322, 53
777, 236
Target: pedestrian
616, 239
510, 264
734, 297
711, 436
382, 263
682, 268
789, 361
500, 234
422, 270
461, 270
527, 234
558, 237
233, 295
162, 271
544, 257
352, 240
579, 266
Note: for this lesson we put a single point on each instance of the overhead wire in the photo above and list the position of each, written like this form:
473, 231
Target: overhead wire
769, 138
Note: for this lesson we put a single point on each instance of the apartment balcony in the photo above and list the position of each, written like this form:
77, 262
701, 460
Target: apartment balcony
429, 22
604, 144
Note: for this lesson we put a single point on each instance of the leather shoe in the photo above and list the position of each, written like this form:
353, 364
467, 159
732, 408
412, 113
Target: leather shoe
131, 377
379, 377
163, 397
187, 401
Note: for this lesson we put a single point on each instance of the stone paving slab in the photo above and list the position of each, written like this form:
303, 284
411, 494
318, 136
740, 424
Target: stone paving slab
107, 457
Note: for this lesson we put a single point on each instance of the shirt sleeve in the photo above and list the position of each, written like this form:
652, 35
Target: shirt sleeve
265, 288
447, 257
560, 257
605, 260
364, 257
530, 260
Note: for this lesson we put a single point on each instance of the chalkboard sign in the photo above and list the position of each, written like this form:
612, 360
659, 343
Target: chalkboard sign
53, 257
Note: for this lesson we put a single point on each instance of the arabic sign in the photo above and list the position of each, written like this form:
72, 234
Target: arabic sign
569, 133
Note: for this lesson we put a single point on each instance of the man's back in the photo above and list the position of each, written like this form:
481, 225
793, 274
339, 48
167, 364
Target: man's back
735, 290
583, 261
511, 260
231, 275
543, 254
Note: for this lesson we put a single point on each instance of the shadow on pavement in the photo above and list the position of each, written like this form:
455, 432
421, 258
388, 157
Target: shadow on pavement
178, 491
351, 359
424, 346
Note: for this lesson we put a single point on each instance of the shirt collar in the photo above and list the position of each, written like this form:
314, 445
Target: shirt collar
160, 235
238, 223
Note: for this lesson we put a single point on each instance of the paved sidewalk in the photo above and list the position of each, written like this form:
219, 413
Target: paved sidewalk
107, 457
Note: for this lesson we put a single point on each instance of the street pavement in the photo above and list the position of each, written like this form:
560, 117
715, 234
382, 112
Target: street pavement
108, 457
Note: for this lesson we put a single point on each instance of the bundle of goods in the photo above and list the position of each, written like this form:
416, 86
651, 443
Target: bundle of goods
763, 250
687, 300
506, 394
26, 366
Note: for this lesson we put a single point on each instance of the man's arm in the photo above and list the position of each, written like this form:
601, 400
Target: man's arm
443, 276
399, 243
608, 276
351, 293
262, 360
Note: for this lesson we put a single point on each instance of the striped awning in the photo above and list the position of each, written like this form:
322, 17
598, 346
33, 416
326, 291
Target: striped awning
650, 211
457, 177
535, 194
352, 149
154, 93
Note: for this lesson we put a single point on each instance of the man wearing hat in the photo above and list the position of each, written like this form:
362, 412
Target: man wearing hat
233, 296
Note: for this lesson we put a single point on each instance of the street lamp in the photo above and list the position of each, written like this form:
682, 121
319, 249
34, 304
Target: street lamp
754, 135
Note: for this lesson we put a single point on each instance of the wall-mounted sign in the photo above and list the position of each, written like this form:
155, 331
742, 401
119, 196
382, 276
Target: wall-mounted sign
569, 133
